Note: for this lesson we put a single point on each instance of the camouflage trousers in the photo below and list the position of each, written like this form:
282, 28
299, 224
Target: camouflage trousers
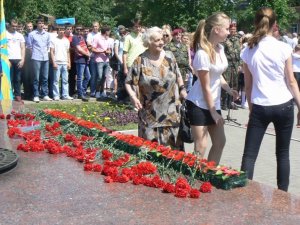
231, 76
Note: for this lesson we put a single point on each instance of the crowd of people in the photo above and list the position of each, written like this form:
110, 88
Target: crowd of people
214, 68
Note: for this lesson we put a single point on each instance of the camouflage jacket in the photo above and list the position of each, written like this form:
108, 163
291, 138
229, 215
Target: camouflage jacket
232, 49
180, 52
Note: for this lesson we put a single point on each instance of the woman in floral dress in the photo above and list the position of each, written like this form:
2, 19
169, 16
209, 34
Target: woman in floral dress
156, 77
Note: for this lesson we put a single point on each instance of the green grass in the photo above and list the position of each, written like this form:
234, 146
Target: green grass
115, 116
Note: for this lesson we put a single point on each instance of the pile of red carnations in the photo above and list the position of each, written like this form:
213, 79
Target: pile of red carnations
97, 156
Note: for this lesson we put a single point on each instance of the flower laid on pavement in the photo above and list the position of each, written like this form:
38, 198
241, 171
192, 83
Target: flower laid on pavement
122, 158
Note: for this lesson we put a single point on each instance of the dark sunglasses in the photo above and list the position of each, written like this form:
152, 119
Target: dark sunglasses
165, 35
79, 29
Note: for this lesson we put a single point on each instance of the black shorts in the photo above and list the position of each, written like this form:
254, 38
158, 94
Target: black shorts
199, 116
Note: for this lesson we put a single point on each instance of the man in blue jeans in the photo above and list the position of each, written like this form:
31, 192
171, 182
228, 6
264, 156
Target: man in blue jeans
16, 55
39, 43
102, 49
82, 58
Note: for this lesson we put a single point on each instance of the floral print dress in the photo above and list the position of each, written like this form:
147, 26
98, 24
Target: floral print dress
159, 95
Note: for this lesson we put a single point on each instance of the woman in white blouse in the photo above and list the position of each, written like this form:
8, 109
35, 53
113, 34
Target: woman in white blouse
270, 90
203, 100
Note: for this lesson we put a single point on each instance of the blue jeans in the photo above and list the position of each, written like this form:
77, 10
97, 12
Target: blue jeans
83, 78
94, 76
40, 70
51, 80
62, 70
103, 69
15, 76
282, 116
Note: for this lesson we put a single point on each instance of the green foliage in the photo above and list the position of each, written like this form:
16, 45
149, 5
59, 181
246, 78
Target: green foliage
285, 14
177, 13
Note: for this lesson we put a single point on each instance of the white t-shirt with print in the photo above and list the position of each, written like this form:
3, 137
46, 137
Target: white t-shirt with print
266, 62
14, 41
61, 48
202, 62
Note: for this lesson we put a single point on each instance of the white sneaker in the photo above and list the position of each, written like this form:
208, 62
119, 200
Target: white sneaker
104, 95
36, 99
67, 98
98, 95
56, 98
46, 98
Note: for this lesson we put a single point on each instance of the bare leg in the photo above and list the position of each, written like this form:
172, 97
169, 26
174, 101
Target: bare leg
200, 134
218, 140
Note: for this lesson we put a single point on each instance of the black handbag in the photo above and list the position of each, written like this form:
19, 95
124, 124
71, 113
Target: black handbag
185, 131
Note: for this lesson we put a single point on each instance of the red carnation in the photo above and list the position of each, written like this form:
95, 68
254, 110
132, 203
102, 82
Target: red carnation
181, 193
122, 179
128, 172
182, 183
137, 180
106, 155
2, 116
97, 168
108, 179
157, 182
110, 171
206, 187
169, 188
20, 147
194, 193
88, 167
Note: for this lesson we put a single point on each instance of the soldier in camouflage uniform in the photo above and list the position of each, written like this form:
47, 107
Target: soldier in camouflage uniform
181, 53
232, 50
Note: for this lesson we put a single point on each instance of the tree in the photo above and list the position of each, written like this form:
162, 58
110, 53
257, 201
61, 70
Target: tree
177, 13
285, 14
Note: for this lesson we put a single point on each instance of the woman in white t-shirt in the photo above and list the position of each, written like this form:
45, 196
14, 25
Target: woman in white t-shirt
270, 89
203, 100
296, 63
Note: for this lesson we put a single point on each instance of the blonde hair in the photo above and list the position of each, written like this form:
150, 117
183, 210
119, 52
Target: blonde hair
265, 18
167, 31
203, 32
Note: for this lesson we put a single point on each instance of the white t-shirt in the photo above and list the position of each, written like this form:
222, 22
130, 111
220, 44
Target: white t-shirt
61, 49
14, 41
266, 62
90, 37
296, 63
90, 40
202, 62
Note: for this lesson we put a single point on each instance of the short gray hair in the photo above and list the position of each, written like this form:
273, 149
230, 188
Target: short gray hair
149, 34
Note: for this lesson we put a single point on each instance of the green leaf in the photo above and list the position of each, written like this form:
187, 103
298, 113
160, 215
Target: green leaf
225, 177
219, 172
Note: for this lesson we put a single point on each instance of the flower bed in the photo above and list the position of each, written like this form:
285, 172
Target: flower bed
126, 157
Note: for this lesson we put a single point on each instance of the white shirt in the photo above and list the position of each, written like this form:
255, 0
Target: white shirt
90, 37
296, 62
61, 49
266, 62
202, 62
14, 41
